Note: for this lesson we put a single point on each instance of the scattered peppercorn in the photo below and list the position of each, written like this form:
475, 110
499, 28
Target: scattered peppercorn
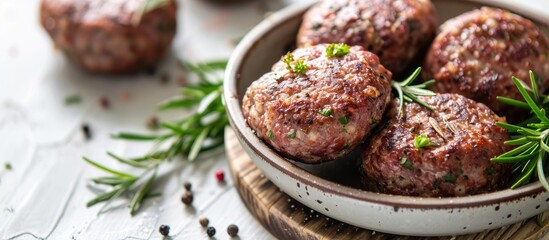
220, 175
152, 123
104, 102
86, 131
187, 198
164, 78
210, 231
204, 221
164, 230
187, 186
232, 230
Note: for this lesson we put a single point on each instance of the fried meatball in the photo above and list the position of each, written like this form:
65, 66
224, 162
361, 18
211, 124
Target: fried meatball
396, 31
477, 53
462, 137
324, 113
108, 36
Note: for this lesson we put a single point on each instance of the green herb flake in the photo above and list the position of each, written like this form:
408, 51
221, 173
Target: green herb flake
343, 120
449, 178
288, 59
73, 99
291, 133
8, 166
345, 146
326, 112
422, 141
373, 121
300, 67
490, 170
337, 50
406, 163
270, 134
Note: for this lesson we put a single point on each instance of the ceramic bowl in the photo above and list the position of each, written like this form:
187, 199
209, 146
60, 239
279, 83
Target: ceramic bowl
334, 194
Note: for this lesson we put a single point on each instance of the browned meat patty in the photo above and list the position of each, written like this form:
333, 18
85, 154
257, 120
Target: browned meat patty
395, 30
103, 36
463, 136
477, 53
323, 114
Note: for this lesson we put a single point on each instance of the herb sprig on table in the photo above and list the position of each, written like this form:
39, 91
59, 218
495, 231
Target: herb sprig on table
531, 137
197, 133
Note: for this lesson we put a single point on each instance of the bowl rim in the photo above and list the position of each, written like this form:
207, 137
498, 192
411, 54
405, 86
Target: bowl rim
246, 135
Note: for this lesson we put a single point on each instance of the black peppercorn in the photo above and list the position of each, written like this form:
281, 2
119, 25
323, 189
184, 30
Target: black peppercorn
164, 230
203, 221
187, 198
232, 230
187, 186
104, 102
87, 131
210, 231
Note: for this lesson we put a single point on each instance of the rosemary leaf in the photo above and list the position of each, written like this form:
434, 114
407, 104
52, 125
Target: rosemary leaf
135, 137
140, 195
105, 196
514, 159
128, 161
513, 102
109, 170
518, 141
111, 181
178, 103
197, 144
539, 167
518, 150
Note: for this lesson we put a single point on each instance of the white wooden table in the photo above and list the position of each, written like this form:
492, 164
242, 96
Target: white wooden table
44, 194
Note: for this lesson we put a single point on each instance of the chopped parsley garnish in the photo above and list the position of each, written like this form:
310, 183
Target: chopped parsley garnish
406, 164
422, 141
326, 112
288, 58
270, 134
300, 67
291, 133
449, 178
337, 50
8, 166
343, 120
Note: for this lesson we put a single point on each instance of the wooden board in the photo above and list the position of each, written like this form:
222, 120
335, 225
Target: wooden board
286, 218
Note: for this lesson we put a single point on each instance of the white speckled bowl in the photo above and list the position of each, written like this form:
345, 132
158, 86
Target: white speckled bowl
310, 185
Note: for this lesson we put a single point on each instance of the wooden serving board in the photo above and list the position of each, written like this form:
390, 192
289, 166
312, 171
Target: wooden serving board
286, 218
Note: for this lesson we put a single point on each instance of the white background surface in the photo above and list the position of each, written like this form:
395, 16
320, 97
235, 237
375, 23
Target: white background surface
44, 195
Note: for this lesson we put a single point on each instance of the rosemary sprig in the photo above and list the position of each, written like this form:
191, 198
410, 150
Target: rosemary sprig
410, 93
531, 137
199, 132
